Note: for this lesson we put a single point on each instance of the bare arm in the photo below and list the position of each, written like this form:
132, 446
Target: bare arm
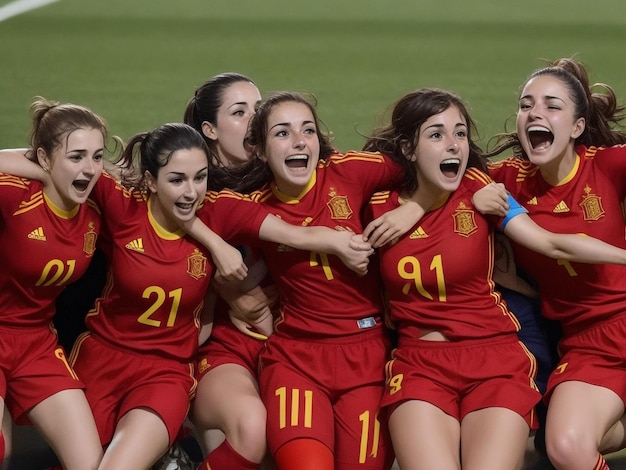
353, 251
572, 247
18, 162
228, 259
393, 224
492, 200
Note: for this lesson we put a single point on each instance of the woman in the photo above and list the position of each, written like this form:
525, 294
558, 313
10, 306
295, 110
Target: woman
460, 387
569, 172
227, 397
48, 233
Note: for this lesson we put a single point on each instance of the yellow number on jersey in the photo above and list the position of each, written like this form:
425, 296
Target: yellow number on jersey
56, 266
175, 295
415, 274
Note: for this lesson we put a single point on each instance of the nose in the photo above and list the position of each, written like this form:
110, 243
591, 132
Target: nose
189, 190
453, 146
90, 167
298, 141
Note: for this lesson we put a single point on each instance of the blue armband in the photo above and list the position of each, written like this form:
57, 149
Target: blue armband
515, 209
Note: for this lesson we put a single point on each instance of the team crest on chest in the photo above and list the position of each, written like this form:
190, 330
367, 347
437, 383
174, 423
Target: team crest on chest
464, 222
89, 240
196, 264
338, 205
591, 205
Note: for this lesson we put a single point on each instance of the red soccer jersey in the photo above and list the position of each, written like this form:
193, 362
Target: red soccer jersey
320, 296
157, 279
42, 249
438, 275
588, 201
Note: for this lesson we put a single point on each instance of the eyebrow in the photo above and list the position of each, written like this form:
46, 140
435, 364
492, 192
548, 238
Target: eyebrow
547, 97
82, 151
440, 126
288, 124
238, 103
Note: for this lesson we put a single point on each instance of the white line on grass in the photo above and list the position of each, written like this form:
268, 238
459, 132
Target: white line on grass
21, 6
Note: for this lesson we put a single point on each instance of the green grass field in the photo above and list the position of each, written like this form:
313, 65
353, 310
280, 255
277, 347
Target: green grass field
137, 62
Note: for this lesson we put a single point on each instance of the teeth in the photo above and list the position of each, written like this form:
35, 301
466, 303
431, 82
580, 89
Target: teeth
537, 129
297, 157
451, 161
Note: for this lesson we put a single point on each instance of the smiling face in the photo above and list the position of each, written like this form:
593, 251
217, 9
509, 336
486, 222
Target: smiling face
442, 152
292, 148
546, 122
178, 188
233, 116
74, 167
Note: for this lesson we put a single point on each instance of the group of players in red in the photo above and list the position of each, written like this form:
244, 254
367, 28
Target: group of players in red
354, 319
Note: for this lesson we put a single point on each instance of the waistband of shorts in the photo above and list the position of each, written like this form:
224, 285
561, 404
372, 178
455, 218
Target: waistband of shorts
508, 338
132, 352
17, 330
597, 325
359, 337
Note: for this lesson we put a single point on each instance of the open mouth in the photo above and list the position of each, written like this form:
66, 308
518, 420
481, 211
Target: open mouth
81, 185
185, 206
297, 161
540, 137
450, 167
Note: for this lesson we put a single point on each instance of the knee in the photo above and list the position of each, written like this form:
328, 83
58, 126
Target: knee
571, 449
248, 434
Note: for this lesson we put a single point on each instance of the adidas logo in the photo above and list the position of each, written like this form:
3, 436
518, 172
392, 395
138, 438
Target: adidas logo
532, 202
135, 245
560, 208
418, 233
37, 234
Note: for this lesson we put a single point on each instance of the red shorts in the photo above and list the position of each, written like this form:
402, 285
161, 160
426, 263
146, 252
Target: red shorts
32, 368
328, 390
464, 376
119, 381
228, 345
596, 356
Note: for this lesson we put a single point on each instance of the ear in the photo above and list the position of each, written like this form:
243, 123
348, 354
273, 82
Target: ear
408, 153
209, 130
150, 181
43, 159
579, 127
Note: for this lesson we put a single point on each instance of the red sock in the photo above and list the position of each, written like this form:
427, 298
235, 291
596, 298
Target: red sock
1, 447
227, 458
304, 454
601, 464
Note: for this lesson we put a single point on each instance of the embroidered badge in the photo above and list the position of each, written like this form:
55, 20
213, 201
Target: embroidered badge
89, 240
196, 264
464, 222
591, 205
338, 205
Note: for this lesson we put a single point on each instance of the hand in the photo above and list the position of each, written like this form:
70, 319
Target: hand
390, 226
227, 259
492, 200
353, 251
229, 264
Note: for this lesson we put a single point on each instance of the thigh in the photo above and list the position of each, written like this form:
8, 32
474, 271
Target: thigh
493, 438
361, 434
424, 436
140, 438
296, 407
